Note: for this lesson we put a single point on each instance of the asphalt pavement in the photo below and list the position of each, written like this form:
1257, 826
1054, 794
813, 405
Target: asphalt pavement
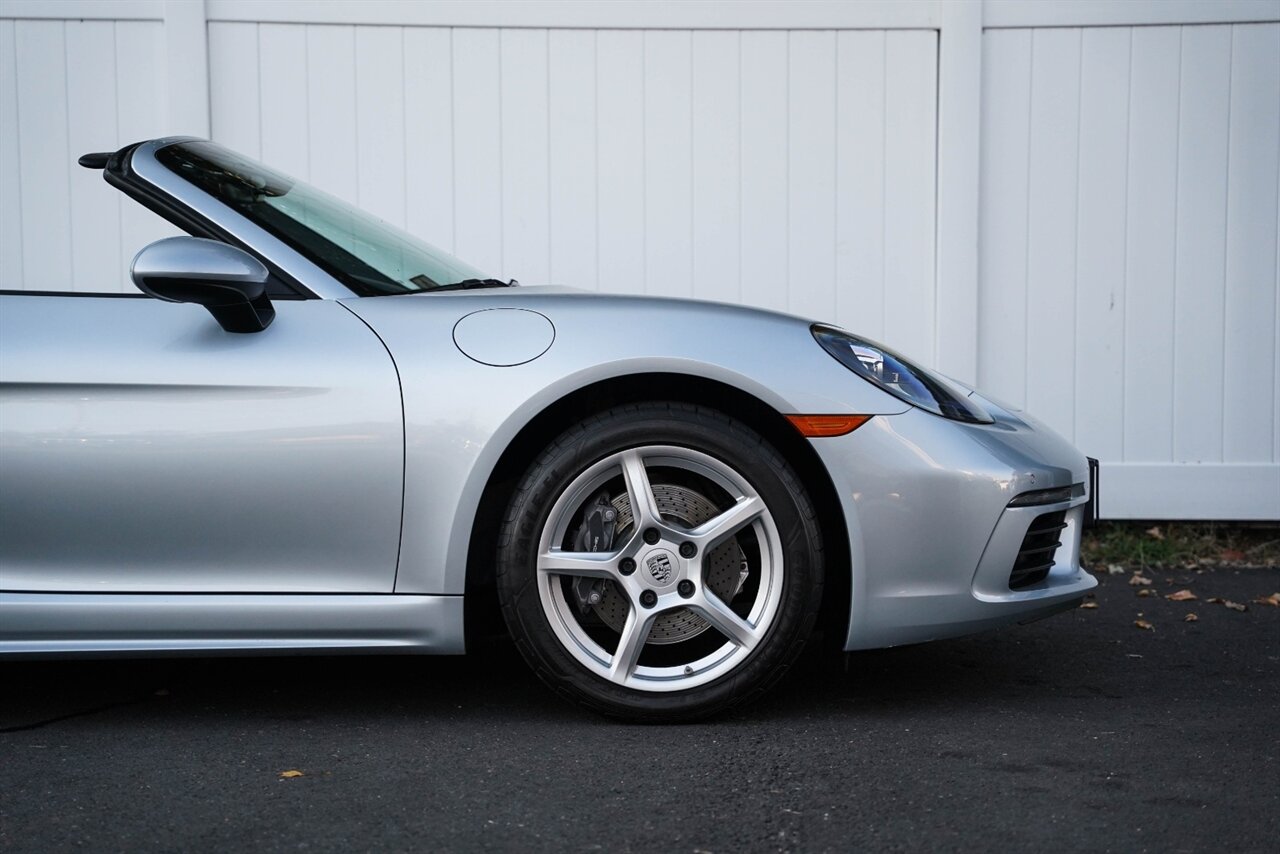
1081, 732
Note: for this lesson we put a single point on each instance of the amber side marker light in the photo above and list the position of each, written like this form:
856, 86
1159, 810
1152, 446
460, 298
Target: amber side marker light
816, 426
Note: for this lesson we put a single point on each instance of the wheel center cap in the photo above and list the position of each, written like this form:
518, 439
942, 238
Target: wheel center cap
661, 566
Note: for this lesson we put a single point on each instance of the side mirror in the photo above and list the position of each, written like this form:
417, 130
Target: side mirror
229, 282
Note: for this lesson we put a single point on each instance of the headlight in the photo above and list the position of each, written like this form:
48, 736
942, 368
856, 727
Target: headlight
891, 372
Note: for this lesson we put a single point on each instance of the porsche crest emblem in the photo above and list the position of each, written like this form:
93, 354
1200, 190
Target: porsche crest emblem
659, 567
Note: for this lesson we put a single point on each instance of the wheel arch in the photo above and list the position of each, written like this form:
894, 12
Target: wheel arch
482, 613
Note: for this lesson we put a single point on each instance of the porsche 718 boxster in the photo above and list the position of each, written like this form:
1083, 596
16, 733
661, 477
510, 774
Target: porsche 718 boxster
312, 432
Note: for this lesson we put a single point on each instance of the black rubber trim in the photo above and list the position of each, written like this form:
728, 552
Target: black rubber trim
18, 293
95, 159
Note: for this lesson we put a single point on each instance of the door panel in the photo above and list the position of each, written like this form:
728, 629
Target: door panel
143, 448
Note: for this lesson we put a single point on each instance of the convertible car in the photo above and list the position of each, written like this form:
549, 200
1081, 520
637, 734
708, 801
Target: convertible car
312, 432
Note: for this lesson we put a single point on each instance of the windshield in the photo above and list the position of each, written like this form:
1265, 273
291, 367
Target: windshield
369, 256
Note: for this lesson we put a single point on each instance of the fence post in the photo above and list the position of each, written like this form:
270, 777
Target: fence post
959, 161
187, 67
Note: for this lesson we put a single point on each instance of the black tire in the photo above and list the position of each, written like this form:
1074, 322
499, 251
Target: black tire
684, 426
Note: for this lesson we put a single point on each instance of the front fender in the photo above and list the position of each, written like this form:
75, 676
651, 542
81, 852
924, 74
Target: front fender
460, 414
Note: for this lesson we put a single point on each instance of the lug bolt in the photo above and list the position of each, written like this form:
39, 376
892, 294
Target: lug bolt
688, 550
685, 588
648, 598
627, 566
651, 535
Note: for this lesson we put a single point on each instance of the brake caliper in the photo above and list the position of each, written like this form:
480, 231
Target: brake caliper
595, 534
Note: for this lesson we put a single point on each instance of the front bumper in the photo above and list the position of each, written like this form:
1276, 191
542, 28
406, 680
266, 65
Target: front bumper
932, 536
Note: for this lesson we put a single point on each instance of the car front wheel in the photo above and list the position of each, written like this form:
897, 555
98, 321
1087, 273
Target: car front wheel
660, 561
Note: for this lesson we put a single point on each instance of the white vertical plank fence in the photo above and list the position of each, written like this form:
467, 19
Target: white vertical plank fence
1128, 253
737, 201
1073, 204
68, 87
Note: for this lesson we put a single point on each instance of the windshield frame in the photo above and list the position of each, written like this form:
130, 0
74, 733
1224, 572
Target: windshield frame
368, 256
135, 172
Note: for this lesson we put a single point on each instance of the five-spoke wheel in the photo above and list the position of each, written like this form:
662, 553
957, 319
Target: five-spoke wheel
643, 565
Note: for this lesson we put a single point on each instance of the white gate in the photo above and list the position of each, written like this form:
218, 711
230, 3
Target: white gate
1072, 203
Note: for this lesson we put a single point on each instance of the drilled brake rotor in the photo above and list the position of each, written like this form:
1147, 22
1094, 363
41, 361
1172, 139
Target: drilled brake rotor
724, 568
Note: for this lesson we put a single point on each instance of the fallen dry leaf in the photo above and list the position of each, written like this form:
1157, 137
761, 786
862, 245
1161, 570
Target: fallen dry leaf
1235, 606
1139, 580
1146, 591
1181, 596
1273, 600
1232, 554
1217, 600
1190, 618
1155, 533
1143, 624
1089, 605
289, 775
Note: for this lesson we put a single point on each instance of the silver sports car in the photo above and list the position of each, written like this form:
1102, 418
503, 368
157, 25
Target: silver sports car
311, 431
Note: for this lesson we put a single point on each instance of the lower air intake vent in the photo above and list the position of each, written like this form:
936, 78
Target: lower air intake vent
1035, 558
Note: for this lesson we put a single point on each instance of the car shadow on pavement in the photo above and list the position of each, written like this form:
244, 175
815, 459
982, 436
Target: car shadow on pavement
1079, 655
491, 682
